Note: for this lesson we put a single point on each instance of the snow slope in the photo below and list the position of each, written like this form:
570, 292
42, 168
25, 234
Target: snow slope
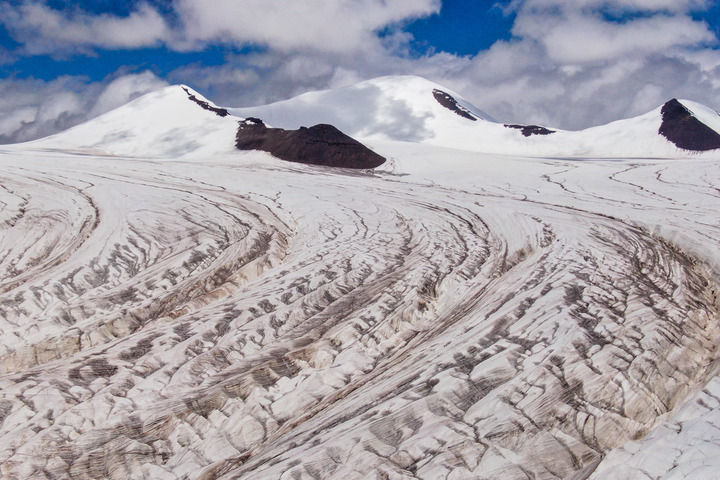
705, 114
165, 123
394, 107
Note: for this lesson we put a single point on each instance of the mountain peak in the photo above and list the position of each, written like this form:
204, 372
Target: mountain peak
204, 103
170, 122
397, 107
176, 121
409, 108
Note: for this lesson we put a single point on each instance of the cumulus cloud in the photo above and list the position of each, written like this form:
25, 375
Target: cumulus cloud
37, 108
338, 26
581, 38
123, 89
42, 29
613, 5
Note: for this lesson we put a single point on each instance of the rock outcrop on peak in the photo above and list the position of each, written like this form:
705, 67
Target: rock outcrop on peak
321, 144
528, 130
683, 129
221, 112
449, 102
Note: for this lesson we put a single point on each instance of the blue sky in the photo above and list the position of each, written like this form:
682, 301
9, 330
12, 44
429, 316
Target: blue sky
566, 63
460, 27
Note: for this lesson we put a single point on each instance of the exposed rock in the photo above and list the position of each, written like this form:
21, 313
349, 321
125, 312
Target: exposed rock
528, 130
317, 145
449, 102
684, 130
221, 112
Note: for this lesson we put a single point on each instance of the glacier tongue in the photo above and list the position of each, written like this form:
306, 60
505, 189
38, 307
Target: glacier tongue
463, 316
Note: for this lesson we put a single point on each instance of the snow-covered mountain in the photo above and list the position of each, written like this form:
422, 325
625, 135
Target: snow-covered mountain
174, 309
410, 108
178, 121
400, 108
173, 122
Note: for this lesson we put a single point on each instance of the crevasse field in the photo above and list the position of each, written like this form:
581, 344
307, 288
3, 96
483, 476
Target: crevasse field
482, 306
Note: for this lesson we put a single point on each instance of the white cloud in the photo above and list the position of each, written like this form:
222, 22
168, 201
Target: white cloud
124, 89
578, 38
333, 26
13, 119
337, 26
675, 6
58, 105
649, 94
42, 29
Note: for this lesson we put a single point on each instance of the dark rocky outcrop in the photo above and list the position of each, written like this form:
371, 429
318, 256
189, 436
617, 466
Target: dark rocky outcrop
684, 130
449, 102
221, 112
318, 145
528, 130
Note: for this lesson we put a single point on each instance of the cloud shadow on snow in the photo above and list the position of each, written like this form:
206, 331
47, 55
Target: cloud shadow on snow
369, 112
